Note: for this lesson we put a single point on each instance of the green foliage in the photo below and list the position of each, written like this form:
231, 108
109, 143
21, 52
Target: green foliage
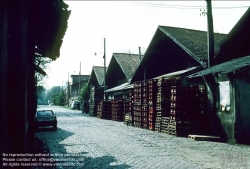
58, 99
84, 93
40, 90
43, 63
55, 95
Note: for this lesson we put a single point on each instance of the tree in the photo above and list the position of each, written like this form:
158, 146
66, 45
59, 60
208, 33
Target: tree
54, 94
58, 98
40, 90
84, 93
43, 63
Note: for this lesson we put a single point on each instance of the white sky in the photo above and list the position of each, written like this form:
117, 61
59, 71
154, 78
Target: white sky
126, 25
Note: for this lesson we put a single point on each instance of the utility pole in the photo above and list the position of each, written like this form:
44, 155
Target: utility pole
79, 79
104, 57
68, 94
210, 34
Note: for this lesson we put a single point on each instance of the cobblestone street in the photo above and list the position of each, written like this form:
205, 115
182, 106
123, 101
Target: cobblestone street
111, 144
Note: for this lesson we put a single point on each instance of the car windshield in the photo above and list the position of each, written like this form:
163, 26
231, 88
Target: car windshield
44, 113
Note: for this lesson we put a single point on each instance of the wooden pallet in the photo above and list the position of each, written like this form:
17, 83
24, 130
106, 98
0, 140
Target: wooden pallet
158, 119
164, 130
157, 129
163, 125
165, 119
204, 138
162, 114
136, 125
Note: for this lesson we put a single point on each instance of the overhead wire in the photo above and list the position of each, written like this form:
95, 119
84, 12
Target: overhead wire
141, 15
156, 6
182, 6
146, 14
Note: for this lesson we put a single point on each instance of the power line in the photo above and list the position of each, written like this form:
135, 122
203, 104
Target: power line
181, 6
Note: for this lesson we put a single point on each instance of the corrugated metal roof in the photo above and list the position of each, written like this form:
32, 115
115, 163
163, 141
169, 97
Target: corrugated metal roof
121, 87
225, 68
178, 73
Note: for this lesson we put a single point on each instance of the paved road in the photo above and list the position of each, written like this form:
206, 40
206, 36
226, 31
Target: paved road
98, 143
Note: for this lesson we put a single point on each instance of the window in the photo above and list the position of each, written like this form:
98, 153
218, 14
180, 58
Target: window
224, 88
44, 113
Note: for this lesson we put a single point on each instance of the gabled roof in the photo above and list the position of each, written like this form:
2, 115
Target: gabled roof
99, 72
237, 41
194, 42
226, 67
172, 49
128, 63
96, 76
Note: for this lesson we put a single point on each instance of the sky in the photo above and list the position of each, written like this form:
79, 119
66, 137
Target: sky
126, 26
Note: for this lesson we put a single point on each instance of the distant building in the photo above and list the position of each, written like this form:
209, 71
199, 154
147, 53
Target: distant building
76, 83
95, 87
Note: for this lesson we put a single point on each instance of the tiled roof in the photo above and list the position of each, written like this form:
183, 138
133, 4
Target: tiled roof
128, 63
99, 72
224, 68
194, 42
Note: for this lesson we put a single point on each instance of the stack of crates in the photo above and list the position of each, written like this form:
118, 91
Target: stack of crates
163, 101
180, 114
165, 124
137, 115
121, 109
106, 110
202, 117
96, 95
187, 111
152, 89
180, 99
129, 109
114, 109
99, 110
128, 117
144, 104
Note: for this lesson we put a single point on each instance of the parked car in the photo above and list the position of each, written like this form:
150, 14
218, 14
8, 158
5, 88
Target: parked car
75, 105
45, 118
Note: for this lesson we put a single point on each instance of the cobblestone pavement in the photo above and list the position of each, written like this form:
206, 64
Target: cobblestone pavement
98, 143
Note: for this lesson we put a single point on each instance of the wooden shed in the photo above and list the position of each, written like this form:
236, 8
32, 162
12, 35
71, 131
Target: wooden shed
172, 49
228, 91
230, 75
121, 69
96, 89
